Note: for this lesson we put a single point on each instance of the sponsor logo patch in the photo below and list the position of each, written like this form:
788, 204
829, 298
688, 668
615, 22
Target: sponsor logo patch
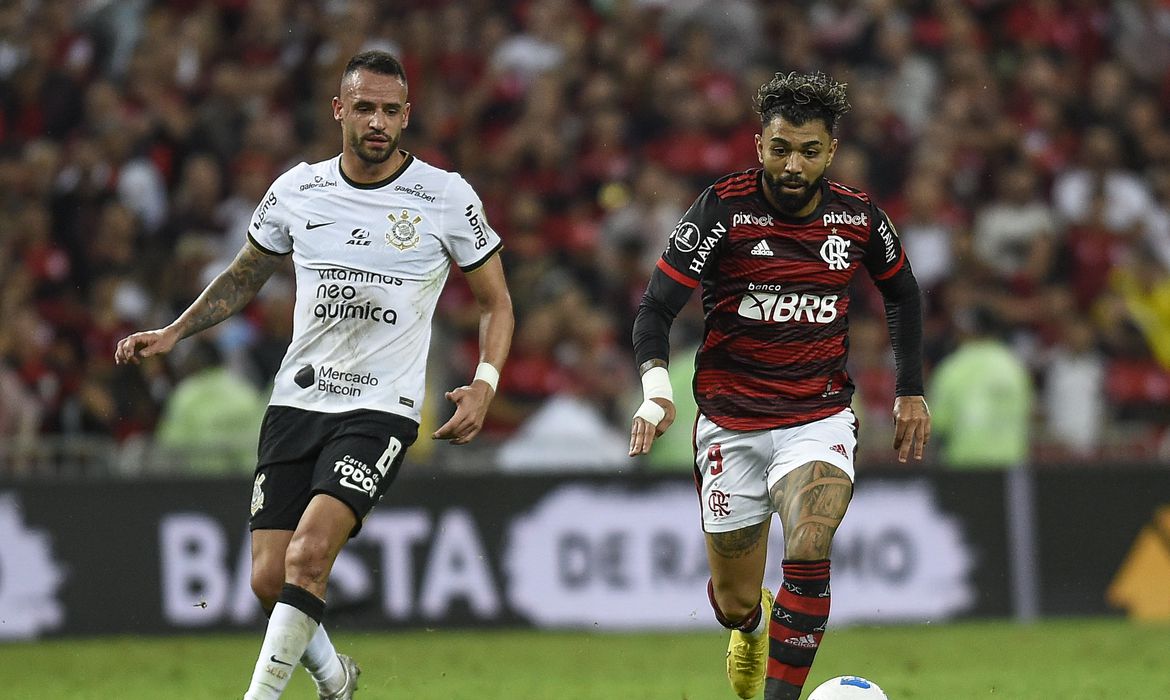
416, 191
262, 213
790, 306
476, 220
748, 219
318, 181
844, 218
359, 237
686, 237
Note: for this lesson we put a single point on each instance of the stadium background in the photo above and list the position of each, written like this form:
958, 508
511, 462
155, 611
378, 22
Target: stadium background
1022, 149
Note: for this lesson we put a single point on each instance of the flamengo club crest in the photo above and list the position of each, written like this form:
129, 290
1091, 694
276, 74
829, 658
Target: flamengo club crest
835, 251
402, 233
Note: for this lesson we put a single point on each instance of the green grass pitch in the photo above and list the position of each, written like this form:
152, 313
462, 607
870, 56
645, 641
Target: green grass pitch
1099, 659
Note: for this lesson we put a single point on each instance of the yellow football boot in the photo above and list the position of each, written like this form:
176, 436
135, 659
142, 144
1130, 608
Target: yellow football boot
747, 657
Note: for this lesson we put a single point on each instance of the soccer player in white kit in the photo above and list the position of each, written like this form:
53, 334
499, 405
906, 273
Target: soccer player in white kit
372, 234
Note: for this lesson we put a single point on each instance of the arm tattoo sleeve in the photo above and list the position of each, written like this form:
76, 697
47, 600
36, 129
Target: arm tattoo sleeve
230, 291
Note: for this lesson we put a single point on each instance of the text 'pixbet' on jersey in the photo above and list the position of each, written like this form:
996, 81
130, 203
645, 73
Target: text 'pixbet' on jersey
844, 218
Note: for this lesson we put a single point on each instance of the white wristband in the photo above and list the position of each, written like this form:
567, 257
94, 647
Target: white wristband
487, 373
656, 384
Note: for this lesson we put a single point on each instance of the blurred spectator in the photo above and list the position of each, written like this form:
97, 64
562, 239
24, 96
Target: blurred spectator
1099, 174
1022, 149
211, 421
1015, 233
981, 399
1144, 288
931, 229
1074, 391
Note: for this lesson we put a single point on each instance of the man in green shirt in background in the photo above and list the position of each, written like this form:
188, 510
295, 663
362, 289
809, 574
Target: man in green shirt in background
211, 420
981, 400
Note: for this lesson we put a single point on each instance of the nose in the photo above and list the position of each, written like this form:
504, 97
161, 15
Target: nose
792, 163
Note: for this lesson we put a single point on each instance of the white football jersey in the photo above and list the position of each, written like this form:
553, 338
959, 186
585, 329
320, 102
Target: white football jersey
371, 260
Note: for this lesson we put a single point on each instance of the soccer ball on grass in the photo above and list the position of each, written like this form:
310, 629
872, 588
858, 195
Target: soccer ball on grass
848, 688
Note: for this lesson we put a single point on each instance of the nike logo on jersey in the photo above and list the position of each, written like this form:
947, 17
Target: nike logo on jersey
762, 249
309, 225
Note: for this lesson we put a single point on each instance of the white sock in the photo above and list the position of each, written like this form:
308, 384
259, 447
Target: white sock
761, 627
289, 632
321, 661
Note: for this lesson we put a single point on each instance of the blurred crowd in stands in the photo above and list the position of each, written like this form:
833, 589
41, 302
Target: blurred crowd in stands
1022, 148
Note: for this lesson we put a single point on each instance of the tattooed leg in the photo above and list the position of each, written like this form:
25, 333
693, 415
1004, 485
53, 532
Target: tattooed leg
811, 501
737, 561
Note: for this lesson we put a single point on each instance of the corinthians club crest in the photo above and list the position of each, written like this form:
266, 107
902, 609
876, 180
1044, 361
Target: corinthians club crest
402, 233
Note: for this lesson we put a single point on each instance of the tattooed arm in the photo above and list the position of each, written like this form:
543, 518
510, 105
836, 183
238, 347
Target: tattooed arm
227, 294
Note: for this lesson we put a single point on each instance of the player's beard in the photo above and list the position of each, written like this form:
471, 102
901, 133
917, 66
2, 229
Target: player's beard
374, 157
791, 202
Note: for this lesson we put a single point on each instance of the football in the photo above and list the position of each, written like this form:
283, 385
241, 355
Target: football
848, 688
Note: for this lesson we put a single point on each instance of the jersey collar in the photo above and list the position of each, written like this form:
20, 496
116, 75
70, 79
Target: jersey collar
380, 183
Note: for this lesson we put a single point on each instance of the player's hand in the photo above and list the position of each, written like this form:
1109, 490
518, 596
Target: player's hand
132, 348
911, 426
471, 404
643, 432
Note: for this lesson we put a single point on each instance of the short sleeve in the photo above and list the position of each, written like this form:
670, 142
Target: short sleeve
696, 240
269, 230
466, 234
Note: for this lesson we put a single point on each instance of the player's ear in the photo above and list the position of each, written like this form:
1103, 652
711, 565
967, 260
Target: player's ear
405, 114
832, 152
337, 109
760, 148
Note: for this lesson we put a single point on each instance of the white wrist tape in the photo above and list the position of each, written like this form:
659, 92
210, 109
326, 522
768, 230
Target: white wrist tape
655, 385
650, 412
487, 373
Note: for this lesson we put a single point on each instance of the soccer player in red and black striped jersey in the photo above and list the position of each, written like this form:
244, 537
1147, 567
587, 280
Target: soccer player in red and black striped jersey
774, 250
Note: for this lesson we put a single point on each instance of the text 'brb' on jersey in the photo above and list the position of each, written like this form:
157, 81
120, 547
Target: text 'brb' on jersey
776, 298
370, 263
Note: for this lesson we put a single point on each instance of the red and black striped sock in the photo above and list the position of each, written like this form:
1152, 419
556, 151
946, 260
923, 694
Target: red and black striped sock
797, 625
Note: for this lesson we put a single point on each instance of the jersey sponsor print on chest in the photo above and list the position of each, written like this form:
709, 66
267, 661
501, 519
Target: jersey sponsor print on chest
766, 302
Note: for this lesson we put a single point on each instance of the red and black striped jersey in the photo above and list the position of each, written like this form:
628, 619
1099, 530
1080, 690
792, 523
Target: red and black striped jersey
775, 294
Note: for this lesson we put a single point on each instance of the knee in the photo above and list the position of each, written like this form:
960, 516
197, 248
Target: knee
266, 584
307, 560
734, 600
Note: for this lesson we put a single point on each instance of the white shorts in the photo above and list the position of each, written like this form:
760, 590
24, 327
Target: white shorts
737, 469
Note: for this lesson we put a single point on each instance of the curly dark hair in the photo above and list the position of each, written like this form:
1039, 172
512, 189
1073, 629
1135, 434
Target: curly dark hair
799, 97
